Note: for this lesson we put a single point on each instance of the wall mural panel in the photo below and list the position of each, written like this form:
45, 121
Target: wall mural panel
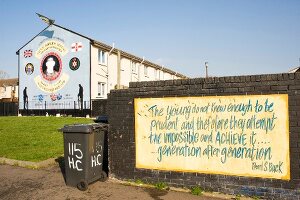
54, 71
230, 135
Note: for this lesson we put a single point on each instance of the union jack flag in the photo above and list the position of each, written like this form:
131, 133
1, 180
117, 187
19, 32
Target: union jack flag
27, 53
76, 46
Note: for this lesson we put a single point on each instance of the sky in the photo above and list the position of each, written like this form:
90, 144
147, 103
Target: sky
235, 37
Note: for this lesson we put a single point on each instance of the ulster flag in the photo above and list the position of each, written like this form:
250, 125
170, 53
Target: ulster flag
76, 46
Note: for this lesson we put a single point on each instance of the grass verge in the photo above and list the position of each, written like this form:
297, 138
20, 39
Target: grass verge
33, 138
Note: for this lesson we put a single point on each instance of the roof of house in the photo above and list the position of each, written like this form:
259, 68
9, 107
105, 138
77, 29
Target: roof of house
8, 82
294, 70
114, 50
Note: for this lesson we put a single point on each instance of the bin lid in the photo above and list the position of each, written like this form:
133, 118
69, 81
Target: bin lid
83, 128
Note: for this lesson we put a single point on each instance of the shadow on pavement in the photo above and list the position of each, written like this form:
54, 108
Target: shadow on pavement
155, 193
61, 162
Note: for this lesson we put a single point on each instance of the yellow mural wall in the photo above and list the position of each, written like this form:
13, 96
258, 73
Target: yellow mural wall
230, 135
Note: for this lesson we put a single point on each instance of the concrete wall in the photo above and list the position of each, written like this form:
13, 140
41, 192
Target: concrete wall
122, 143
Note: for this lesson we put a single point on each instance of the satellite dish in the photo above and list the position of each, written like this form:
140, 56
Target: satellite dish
3, 75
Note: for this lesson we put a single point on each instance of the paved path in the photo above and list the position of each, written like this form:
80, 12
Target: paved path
48, 183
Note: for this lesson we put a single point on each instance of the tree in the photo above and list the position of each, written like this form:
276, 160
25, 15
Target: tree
3, 75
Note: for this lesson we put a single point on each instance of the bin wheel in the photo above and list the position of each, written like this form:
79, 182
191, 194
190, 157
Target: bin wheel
82, 185
103, 176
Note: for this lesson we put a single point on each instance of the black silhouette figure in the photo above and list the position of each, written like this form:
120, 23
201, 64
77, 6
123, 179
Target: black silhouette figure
25, 98
80, 97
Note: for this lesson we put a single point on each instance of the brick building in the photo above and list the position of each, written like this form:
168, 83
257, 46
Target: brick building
9, 90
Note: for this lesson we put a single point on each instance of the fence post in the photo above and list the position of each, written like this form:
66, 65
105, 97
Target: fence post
2, 110
74, 109
45, 107
84, 109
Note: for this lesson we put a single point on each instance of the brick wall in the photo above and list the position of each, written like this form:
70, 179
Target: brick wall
122, 136
99, 107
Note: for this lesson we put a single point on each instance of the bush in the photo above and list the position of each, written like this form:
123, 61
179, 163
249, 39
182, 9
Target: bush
197, 190
161, 186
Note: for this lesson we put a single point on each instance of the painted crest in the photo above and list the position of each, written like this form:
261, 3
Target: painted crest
51, 66
74, 63
29, 68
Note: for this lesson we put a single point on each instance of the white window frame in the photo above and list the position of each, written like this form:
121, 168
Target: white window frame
156, 74
101, 89
123, 66
146, 70
133, 67
102, 57
161, 75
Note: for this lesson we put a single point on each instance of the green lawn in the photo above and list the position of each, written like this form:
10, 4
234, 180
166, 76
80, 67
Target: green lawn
33, 138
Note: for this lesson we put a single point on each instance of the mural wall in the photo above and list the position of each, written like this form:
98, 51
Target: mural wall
232, 135
54, 71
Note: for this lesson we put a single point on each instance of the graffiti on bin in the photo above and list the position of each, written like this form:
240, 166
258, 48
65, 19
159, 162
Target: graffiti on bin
75, 156
95, 159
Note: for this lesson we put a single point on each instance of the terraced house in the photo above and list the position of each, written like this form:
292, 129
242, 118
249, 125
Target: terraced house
60, 69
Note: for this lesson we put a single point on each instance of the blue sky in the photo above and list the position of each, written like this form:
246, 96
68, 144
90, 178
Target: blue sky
236, 37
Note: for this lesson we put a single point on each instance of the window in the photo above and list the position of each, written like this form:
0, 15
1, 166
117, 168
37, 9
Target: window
146, 71
101, 89
102, 57
133, 67
162, 75
156, 74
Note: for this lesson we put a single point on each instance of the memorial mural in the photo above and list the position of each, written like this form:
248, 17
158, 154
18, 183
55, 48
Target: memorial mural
231, 135
55, 69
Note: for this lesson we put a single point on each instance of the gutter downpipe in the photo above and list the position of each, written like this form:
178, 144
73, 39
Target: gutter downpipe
118, 69
161, 69
174, 75
107, 76
139, 72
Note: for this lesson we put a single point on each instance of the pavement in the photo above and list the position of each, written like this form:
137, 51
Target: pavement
48, 183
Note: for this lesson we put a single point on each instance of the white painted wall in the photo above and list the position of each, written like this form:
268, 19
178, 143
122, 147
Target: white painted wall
8, 92
108, 73
125, 72
99, 73
112, 71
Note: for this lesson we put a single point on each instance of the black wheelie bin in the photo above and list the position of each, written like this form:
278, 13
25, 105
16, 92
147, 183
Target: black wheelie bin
85, 154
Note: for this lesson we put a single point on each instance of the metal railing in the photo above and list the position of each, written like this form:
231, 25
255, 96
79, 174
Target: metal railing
74, 108
8, 109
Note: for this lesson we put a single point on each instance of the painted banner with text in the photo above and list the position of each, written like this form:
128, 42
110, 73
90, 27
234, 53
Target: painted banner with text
231, 135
